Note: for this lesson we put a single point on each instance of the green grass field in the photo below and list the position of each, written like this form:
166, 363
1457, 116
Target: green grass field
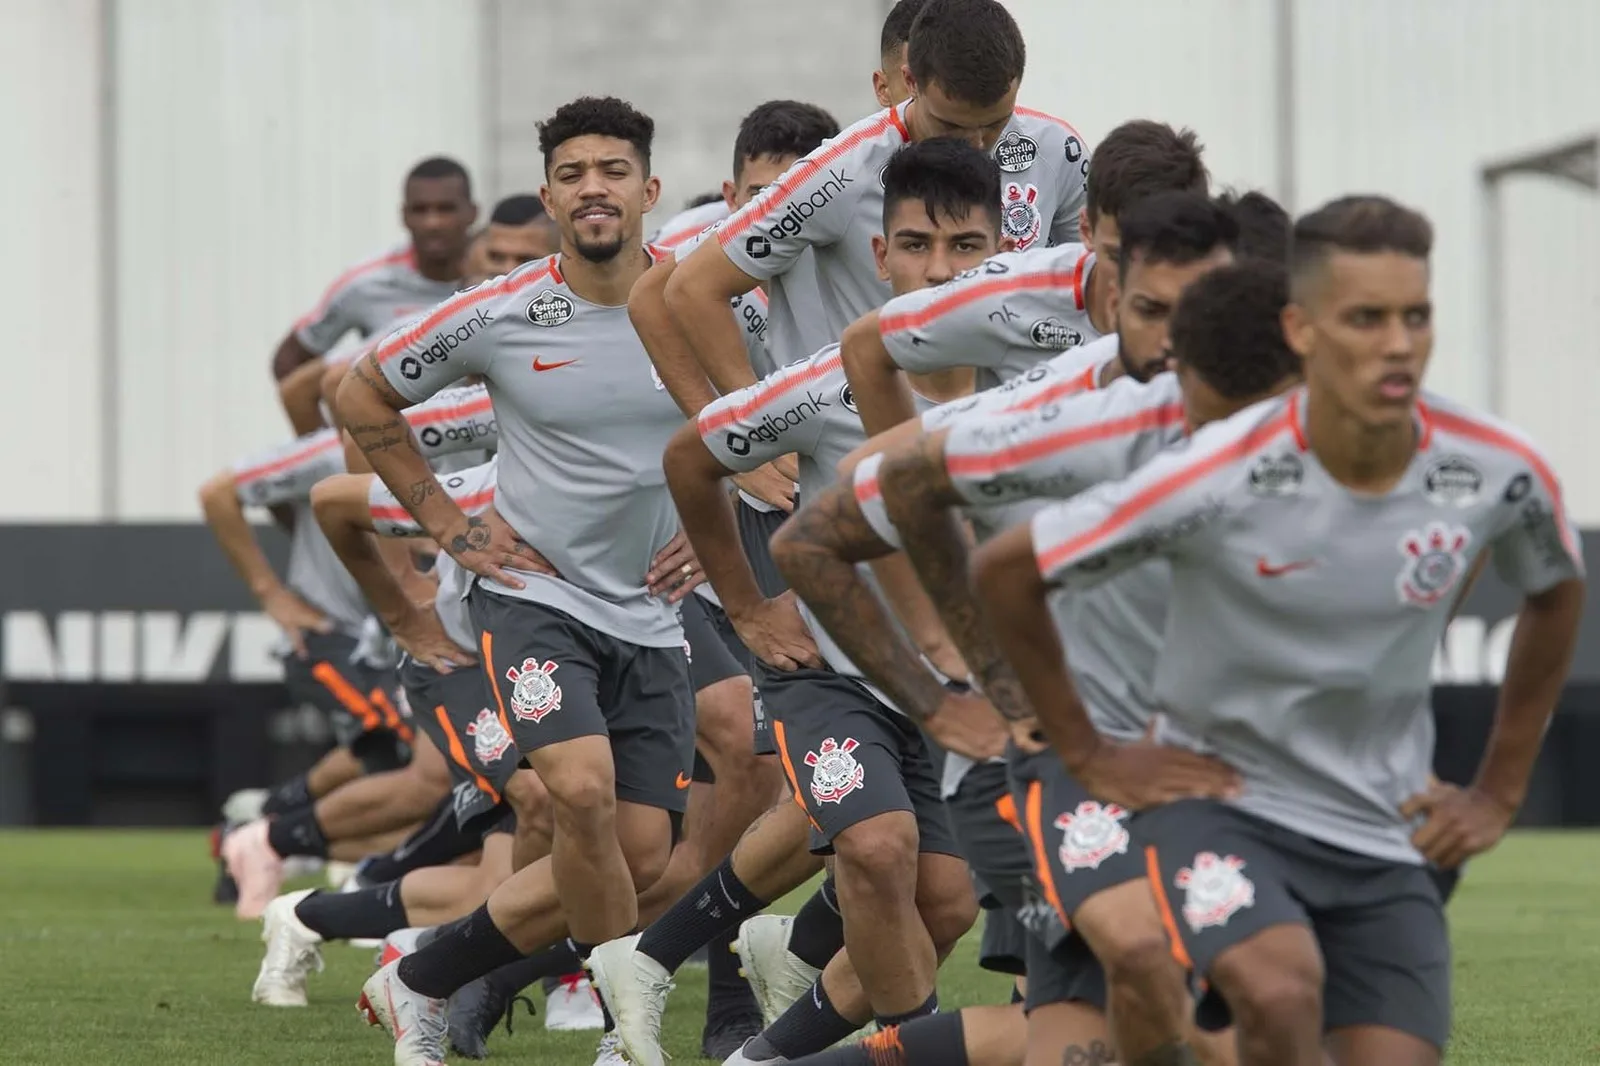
111, 954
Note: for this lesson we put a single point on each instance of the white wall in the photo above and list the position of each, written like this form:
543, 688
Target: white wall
260, 151
50, 284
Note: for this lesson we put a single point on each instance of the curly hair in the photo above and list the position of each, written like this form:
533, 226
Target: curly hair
1228, 329
604, 116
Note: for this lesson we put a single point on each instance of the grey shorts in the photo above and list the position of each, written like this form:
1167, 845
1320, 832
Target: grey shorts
755, 530
355, 697
456, 711
1003, 946
764, 744
556, 679
710, 661
1227, 875
850, 758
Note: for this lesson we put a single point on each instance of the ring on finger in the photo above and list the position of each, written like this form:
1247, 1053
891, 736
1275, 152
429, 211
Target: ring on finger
688, 568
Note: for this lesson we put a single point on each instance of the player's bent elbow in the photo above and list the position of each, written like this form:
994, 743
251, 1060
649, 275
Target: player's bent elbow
217, 490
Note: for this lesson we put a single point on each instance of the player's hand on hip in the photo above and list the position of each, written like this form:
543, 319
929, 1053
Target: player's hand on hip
1460, 822
769, 485
421, 635
488, 546
295, 617
776, 634
967, 724
1027, 736
676, 571
1145, 774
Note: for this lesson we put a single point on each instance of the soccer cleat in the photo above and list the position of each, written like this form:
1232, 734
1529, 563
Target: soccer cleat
477, 1008
739, 1058
634, 988
610, 1052
573, 1005
776, 976
255, 866
292, 954
397, 945
418, 1023
723, 1036
244, 805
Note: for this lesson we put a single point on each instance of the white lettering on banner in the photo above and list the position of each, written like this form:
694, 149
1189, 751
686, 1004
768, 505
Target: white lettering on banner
147, 646
1473, 652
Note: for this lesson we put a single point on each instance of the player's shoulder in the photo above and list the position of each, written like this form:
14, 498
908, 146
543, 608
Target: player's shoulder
1478, 452
822, 366
380, 267
688, 225
1258, 450
1035, 136
1006, 274
288, 458
879, 134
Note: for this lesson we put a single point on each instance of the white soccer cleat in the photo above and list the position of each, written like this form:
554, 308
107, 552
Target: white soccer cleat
291, 954
244, 805
634, 988
776, 977
397, 945
610, 1052
573, 1006
419, 1024
254, 866
739, 1058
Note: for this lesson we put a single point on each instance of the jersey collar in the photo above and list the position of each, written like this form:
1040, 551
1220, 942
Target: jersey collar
1297, 422
898, 120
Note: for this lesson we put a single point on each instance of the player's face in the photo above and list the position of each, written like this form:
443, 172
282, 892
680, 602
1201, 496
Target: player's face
475, 265
597, 191
889, 84
1144, 302
1365, 332
754, 175
919, 252
507, 247
945, 116
438, 214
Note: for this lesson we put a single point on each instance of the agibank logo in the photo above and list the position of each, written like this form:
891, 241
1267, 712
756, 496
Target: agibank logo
798, 211
449, 339
771, 427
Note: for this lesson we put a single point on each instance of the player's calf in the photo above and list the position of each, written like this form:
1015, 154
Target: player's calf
875, 867
1145, 985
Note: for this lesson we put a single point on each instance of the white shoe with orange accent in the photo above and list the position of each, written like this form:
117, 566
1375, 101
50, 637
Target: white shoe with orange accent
255, 868
291, 954
573, 1006
419, 1024
397, 945
776, 977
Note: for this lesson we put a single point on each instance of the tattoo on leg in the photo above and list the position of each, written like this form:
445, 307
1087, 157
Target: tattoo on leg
1095, 1054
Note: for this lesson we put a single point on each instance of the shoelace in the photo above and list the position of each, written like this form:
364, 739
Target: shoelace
511, 1010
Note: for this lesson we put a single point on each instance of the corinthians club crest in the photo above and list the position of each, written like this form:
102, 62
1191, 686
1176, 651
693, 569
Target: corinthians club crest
1214, 889
834, 771
489, 738
1435, 558
1092, 834
1019, 214
533, 693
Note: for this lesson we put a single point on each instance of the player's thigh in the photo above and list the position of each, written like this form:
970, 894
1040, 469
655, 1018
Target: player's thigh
543, 667
1067, 1032
650, 714
840, 750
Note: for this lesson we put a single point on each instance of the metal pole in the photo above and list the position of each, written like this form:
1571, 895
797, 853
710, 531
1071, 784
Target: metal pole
1285, 109
1494, 296
110, 325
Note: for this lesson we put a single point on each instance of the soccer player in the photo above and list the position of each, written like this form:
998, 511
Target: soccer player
1016, 310
438, 212
1317, 542
870, 789
965, 60
588, 667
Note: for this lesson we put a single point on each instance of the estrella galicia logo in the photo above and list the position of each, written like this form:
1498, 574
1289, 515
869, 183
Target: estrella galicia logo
800, 210
738, 444
1054, 335
550, 308
1277, 475
848, 397
410, 369
1452, 481
1015, 153
1518, 487
757, 247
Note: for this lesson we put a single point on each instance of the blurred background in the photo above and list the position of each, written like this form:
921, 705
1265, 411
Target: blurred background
184, 178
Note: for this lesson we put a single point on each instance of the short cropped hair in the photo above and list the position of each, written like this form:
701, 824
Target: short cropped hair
971, 48
440, 166
897, 26
948, 175
780, 128
1263, 226
1140, 158
1175, 227
1361, 224
518, 210
1228, 329
604, 116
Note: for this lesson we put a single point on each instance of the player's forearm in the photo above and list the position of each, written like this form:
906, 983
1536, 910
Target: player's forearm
356, 548
706, 511
332, 376
701, 311
301, 396
399, 555
674, 360
909, 601
1536, 668
883, 399
372, 414
225, 516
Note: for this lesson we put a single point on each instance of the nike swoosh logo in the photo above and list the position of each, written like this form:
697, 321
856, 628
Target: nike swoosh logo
682, 782
1266, 569
541, 367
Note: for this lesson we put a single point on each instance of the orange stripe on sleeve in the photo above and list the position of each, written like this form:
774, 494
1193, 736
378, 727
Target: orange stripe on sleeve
350, 699
399, 342
1020, 455
459, 754
444, 414
406, 256
1051, 557
1084, 382
788, 771
1028, 112
1152, 867
1071, 280
1041, 857
300, 455
765, 393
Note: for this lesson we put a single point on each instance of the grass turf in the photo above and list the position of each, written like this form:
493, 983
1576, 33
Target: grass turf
110, 953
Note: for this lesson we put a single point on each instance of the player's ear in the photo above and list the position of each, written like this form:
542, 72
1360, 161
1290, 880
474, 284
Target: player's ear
880, 256
1297, 328
911, 83
730, 195
544, 198
880, 88
1083, 228
652, 193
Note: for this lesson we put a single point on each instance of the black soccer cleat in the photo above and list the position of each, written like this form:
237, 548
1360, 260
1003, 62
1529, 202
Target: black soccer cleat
476, 1008
727, 1033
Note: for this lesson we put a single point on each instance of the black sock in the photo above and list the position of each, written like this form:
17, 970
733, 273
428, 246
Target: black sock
1016, 995
937, 1040
808, 1026
728, 995
818, 932
434, 932
291, 795
469, 952
929, 1006
297, 833
719, 902
369, 912
438, 842
556, 961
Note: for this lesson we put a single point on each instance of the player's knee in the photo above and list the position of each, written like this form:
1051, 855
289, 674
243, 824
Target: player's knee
724, 728
878, 855
945, 900
1268, 988
647, 862
582, 803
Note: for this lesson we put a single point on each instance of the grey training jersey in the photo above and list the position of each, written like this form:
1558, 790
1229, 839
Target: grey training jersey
370, 298
1011, 313
830, 204
806, 409
583, 421
1304, 617
688, 224
751, 310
